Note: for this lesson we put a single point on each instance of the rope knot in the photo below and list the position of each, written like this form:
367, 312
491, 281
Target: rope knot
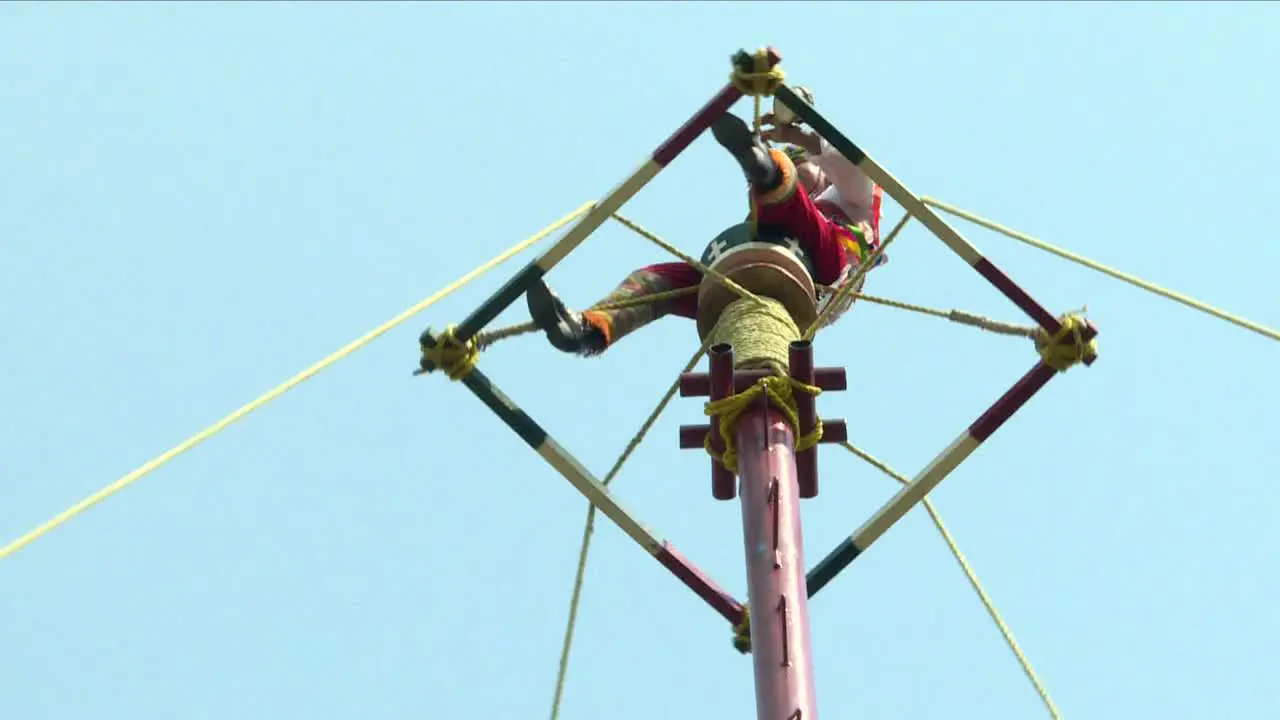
742, 632
781, 391
446, 352
752, 75
1067, 347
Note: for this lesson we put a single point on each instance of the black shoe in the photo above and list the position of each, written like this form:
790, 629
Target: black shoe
565, 329
752, 155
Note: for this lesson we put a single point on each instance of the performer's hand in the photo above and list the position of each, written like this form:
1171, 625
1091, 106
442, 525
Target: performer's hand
794, 135
771, 120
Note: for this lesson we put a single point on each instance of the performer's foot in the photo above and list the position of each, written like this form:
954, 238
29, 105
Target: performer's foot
565, 329
752, 155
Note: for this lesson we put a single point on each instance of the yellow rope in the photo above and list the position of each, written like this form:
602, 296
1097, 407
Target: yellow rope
781, 390
588, 529
1106, 270
972, 576
1067, 347
742, 632
284, 387
761, 81
455, 358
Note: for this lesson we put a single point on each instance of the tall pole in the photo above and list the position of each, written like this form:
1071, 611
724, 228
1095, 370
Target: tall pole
774, 477
771, 530
765, 391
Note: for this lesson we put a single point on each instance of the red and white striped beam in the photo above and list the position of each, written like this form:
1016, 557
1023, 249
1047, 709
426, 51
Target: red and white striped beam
1004, 408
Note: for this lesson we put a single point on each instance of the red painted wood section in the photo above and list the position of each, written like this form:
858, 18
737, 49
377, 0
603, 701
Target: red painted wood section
779, 600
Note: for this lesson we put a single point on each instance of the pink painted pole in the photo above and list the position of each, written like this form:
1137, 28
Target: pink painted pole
779, 599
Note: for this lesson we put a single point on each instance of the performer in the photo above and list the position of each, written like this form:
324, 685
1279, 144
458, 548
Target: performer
841, 190
835, 245
845, 194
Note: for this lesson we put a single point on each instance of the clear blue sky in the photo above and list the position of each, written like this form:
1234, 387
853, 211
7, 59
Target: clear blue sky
197, 201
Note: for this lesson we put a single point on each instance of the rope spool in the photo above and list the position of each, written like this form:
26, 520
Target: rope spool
760, 332
765, 262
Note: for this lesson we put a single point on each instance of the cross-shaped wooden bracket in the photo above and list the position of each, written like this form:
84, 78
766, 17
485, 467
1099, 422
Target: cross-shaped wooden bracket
723, 381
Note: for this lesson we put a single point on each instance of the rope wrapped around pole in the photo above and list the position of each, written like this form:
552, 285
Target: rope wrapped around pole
759, 331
